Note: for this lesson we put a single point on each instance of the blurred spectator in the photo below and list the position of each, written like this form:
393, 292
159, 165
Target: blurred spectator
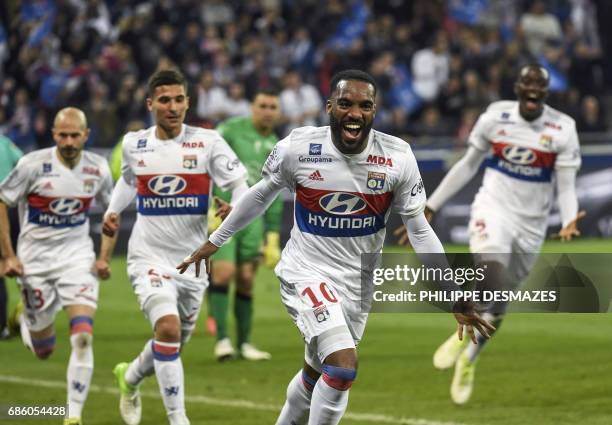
211, 102
236, 104
430, 68
591, 119
468, 119
57, 52
300, 102
539, 27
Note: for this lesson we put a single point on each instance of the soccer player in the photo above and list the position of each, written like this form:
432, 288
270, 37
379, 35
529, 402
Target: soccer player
169, 168
55, 260
532, 149
347, 178
252, 138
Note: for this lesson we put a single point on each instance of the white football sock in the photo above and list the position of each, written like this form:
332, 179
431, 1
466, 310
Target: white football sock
330, 395
80, 370
170, 377
141, 366
297, 406
25, 333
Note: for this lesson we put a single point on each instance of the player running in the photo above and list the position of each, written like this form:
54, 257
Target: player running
169, 168
252, 138
55, 260
532, 149
346, 178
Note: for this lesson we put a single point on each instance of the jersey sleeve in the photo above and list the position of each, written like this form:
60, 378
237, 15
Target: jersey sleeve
278, 168
409, 196
106, 186
126, 168
479, 135
225, 167
16, 185
569, 155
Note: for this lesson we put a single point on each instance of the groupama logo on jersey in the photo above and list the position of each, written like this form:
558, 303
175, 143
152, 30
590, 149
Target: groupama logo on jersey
342, 203
65, 206
519, 155
166, 185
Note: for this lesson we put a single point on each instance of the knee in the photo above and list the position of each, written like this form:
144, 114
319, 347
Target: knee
168, 329
222, 273
43, 348
339, 378
340, 369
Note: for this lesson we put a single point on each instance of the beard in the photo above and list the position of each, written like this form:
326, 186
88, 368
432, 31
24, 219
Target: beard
348, 147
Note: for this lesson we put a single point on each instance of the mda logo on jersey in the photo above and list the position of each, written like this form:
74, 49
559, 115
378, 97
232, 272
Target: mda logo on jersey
315, 149
65, 206
166, 185
519, 155
342, 203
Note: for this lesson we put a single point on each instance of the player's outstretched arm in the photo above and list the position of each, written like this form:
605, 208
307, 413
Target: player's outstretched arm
12, 264
123, 195
568, 204
431, 252
457, 177
250, 206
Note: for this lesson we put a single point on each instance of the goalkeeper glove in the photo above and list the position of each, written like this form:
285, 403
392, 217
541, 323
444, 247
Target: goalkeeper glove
272, 249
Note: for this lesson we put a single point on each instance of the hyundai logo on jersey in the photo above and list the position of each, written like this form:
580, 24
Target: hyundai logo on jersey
340, 214
167, 185
173, 194
315, 149
342, 203
57, 212
518, 155
65, 206
522, 163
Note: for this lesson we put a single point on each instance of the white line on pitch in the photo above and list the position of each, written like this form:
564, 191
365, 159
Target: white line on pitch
245, 404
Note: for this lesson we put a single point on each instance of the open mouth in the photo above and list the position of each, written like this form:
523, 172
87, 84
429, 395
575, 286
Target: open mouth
532, 102
351, 131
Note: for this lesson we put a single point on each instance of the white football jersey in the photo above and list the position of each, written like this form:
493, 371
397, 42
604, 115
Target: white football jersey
342, 202
54, 201
520, 171
173, 181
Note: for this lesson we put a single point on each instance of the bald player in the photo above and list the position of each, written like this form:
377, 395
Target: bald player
55, 261
531, 150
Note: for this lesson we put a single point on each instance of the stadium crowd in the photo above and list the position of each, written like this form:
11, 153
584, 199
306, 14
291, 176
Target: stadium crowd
438, 63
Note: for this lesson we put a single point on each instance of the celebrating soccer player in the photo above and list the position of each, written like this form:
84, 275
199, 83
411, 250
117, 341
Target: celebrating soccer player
54, 188
347, 178
252, 138
168, 167
531, 146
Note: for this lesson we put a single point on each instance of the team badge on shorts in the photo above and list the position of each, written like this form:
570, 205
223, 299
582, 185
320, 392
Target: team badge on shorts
376, 181
88, 185
190, 161
321, 313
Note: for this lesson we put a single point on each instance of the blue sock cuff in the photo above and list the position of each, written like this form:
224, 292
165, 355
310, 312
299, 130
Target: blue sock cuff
47, 342
81, 319
343, 373
308, 379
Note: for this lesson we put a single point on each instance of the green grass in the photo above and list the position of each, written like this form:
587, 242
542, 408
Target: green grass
541, 369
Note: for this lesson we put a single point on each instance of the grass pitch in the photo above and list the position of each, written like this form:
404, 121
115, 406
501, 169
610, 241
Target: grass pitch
540, 369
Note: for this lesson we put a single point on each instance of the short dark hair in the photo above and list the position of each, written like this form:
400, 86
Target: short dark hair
532, 65
351, 74
166, 77
266, 91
